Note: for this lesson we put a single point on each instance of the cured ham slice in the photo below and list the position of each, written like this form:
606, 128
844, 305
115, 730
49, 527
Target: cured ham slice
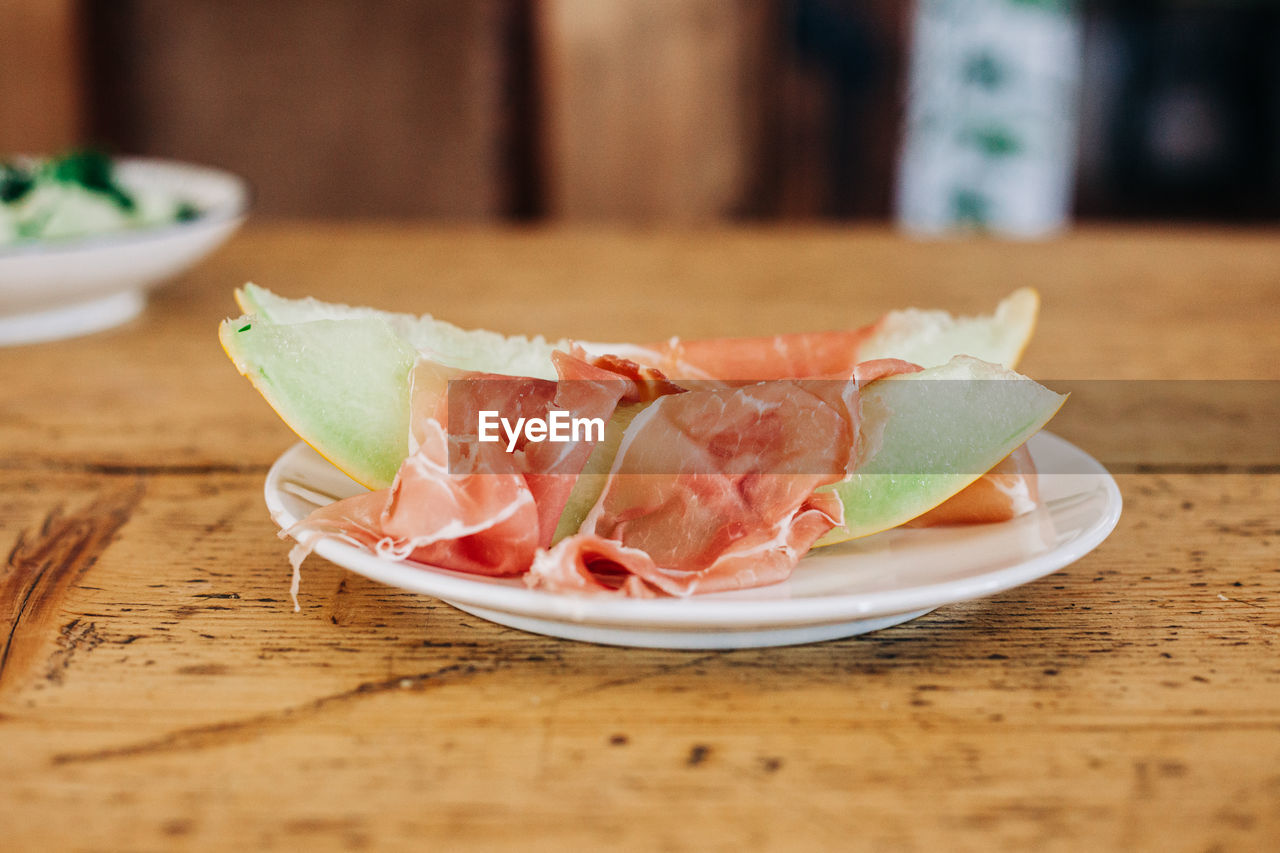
482, 523
792, 356
589, 563
549, 468
1002, 494
647, 383
715, 490
466, 505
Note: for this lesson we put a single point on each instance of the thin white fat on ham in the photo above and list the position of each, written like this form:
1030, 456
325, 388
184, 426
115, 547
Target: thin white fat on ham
715, 490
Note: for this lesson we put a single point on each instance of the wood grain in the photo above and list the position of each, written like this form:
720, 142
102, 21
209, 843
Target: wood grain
44, 564
386, 109
652, 111
41, 97
168, 695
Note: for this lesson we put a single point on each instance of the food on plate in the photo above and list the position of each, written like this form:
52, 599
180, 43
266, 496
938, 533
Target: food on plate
715, 480
79, 194
339, 375
718, 488
940, 431
926, 338
492, 517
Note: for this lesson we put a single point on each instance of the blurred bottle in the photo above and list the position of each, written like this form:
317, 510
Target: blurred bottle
989, 143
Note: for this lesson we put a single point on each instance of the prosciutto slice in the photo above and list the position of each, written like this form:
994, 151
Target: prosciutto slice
791, 356
646, 383
481, 523
465, 505
549, 468
715, 490
589, 563
1007, 491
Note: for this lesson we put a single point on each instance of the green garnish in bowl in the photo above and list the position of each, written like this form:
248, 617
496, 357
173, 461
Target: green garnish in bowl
78, 195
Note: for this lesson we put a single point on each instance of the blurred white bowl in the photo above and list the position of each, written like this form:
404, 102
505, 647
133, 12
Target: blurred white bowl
53, 289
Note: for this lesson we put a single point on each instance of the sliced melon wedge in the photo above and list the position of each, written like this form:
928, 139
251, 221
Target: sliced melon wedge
341, 385
937, 430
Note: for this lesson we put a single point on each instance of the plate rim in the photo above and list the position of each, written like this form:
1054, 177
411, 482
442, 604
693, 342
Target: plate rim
700, 612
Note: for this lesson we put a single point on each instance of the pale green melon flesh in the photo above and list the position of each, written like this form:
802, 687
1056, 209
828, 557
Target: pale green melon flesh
936, 440
342, 385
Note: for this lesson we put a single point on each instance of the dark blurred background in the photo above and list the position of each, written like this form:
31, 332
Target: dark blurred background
644, 110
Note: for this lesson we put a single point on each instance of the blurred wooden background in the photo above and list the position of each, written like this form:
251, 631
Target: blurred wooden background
576, 109
41, 73
636, 110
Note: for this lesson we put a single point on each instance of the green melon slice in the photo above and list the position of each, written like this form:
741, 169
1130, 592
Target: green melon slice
932, 338
595, 474
341, 385
936, 438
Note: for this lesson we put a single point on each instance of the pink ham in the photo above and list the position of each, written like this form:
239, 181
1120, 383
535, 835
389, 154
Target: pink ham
549, 468
482, 523
647, 383
798, 355
734, 505
588, 563
464, 505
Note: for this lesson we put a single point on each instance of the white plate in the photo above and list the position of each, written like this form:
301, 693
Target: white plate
60, 288
837, 591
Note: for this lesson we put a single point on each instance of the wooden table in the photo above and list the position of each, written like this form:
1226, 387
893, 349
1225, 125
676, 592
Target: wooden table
157, 690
